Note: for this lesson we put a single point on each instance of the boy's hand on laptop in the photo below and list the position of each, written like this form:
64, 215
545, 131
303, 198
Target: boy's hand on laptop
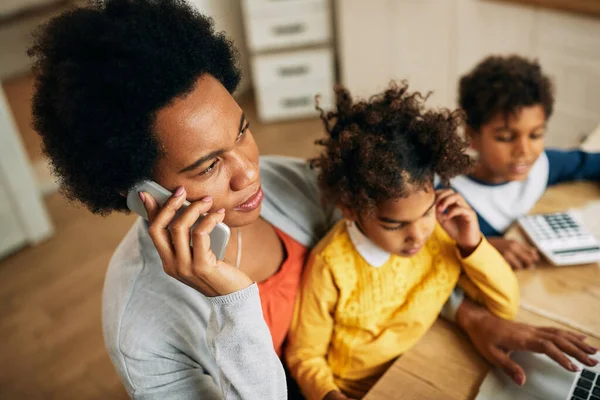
495, 338
458, 219
518, 255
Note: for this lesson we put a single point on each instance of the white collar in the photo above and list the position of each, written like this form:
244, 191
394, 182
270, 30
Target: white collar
374, 255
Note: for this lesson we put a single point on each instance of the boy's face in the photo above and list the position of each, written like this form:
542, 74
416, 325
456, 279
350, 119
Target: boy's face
509, 148
401, 226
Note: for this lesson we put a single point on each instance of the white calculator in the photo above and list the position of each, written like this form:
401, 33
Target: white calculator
561, 238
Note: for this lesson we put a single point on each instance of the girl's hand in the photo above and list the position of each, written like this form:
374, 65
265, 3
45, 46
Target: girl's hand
458, 220
195, 266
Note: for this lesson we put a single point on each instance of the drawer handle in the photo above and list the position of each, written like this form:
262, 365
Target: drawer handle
295, 70
296, 102
290, 29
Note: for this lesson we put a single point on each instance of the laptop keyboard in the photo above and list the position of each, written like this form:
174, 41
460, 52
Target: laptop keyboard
588, 386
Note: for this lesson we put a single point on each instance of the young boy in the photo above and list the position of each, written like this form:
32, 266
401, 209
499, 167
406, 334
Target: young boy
377, 282
508, 101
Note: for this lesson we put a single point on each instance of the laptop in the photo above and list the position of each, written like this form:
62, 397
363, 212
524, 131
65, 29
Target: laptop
546, 380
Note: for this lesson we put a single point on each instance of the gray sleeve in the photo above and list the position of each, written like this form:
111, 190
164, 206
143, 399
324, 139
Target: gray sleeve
293, 201
240, 342
195, 385
452, 304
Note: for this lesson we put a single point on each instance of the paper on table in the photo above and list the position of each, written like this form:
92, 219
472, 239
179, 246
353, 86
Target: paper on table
590, 217
592, 142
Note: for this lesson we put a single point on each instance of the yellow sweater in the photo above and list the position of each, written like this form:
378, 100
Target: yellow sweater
352, 320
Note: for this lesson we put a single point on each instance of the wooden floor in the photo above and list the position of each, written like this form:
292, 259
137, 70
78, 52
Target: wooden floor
51, 343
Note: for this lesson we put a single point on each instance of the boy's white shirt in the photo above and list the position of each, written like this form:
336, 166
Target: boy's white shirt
502, 204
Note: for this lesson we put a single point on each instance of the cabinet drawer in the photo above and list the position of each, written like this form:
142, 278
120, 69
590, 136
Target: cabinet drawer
291, 101
257, 9
295, 67
293, 29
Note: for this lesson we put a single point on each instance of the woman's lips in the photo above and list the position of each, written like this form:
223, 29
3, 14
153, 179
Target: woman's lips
253, 202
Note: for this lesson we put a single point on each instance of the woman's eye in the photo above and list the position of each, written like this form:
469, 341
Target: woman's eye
210, 168
243, 131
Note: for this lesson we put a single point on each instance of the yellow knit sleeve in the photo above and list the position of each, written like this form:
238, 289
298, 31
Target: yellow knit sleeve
489, 280
310, 335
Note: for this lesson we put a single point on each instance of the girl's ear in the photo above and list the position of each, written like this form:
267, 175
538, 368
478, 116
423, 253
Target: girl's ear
348, 213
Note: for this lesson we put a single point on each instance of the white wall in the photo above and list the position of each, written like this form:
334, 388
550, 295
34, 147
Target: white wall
433, 42
228, 17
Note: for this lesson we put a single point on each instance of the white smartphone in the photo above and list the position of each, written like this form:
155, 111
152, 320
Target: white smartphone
219, 237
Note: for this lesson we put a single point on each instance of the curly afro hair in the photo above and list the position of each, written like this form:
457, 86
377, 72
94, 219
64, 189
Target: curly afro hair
102, 73
503, 85
386, 148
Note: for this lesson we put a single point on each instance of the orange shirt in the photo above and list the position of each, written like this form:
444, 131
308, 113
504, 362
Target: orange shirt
278, 293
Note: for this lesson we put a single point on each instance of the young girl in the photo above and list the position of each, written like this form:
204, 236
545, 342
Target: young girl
508, 101
378, 280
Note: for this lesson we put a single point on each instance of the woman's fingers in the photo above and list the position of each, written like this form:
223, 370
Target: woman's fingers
181, 235
503, 361
150, 205
547, 346
158, 220
574, 336
571, 349
573, 344
203, 255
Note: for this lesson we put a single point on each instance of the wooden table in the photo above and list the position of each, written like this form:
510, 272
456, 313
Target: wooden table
564, 294
444, 364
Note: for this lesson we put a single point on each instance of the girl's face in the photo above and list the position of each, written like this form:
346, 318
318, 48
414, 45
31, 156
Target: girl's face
207, 148
400, 226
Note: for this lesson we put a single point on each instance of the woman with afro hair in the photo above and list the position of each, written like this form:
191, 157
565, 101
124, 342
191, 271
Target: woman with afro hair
128, 90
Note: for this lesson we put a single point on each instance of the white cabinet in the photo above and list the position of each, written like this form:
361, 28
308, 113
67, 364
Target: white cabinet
272, 25
227, 15
23, 218
569, 49
433, 42
424, 49
288, 82
292, 56
487, 27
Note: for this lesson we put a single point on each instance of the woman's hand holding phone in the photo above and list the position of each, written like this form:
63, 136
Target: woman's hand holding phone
196, 266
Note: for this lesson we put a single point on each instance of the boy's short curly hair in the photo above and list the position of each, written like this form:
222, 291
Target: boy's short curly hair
102, 72
503, 85
386, 148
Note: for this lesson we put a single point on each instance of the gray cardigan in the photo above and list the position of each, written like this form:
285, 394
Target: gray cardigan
167, 341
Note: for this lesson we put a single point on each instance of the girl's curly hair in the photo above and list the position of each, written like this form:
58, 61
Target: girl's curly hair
387, 147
